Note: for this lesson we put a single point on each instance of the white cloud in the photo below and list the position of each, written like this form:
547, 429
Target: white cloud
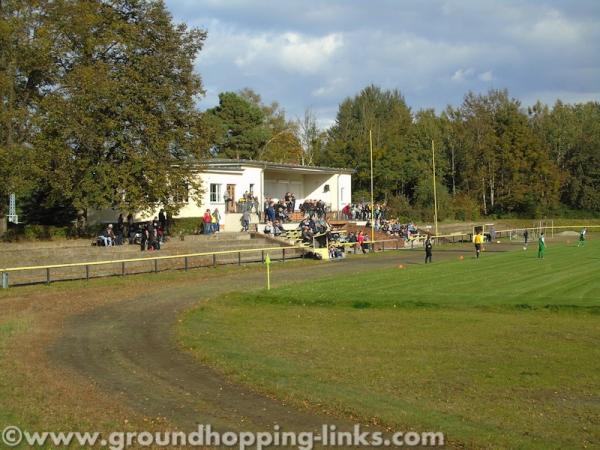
486, 76
298, 52
550, 97
305, 51
554, 27
329, 88
289, 51
461, 75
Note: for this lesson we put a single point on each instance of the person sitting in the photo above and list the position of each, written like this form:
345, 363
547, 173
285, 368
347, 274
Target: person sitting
307, 235
108, 236
304, 223
278, 228
335, 252
153, 241
268, 230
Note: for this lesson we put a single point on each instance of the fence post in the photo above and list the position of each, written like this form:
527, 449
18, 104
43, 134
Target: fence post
156, 266
48, 275
214, 260
397, 244
87, 272
262, 256
185, 263
122, 269
283, 255
239, 258
4, 280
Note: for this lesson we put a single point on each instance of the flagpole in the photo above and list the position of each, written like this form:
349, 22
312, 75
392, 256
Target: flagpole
435, 210
372, 206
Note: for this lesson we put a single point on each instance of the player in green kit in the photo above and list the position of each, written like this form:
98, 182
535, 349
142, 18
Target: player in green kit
581, 242
541, 246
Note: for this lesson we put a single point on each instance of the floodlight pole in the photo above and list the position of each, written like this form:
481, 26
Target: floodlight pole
372, 205
435, 210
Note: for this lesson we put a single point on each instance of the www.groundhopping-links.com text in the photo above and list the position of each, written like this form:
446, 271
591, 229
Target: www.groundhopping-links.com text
205, 436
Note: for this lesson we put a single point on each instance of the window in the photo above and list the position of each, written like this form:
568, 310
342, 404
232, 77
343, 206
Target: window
251, 188
326, 188
215, 193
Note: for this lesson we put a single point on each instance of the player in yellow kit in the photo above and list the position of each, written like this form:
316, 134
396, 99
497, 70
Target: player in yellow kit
478, 240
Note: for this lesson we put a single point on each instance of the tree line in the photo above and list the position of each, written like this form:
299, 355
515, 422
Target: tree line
493, 156
99, 108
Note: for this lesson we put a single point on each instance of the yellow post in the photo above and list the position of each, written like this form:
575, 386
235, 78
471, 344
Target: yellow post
372, 202
268, 264
435, 210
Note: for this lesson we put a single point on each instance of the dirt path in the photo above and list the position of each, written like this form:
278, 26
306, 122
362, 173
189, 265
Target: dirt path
127, 349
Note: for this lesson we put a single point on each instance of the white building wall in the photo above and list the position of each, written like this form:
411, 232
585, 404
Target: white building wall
278, 183
251, 181
314, 187
345, 190
272, 183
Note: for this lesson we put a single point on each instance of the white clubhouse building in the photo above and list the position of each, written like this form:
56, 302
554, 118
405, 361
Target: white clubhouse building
224, 179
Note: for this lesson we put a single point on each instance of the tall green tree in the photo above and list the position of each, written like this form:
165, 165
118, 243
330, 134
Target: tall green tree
26, 67
118, 120
246, 128
507, 166
239, 125
571, 134
389, 119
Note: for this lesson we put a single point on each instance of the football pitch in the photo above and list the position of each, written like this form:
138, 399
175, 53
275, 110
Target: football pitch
500, 352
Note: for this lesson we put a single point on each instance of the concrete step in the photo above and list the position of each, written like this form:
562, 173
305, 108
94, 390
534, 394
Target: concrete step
45, 256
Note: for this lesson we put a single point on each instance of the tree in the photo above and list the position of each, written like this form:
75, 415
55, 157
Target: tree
117, 121
310, 137
387, 116
25, 68
283, 147
245, 128
571, 134
240, 127
506, 165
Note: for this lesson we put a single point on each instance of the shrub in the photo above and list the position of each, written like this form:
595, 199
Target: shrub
188, 225
465, 208
37, 233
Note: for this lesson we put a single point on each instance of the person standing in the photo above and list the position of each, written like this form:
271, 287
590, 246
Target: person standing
270, 213
582, 234
428, 250
526, 236
144, 238
360, 241
541, 246
162, 219
207, 222
216, 220
478, 243
130, 228
245, 220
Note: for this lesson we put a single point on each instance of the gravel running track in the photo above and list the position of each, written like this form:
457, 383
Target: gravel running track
128, 349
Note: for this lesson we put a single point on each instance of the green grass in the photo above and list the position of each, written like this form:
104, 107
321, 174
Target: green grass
8, 329
503, 352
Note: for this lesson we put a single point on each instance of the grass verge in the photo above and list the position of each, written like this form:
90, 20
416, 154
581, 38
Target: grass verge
501, 352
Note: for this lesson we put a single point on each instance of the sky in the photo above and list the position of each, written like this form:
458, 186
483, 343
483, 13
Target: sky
307, 54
